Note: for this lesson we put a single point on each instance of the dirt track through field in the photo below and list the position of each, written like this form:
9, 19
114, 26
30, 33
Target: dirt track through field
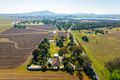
6, 40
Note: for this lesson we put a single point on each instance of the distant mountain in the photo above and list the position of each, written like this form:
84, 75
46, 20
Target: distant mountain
39, 13
76, 15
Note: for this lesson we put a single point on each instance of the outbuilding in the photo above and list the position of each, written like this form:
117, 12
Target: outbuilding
34, 68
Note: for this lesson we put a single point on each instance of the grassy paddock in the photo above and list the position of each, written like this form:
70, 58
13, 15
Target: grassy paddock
53, 48
100, 49
5, 24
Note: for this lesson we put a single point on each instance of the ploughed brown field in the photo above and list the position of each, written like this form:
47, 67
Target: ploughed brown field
27, 75
16, 45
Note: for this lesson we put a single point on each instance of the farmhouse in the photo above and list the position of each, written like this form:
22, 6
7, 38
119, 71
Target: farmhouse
55, 62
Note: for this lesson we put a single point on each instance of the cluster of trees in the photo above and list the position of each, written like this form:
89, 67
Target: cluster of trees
41, 55
85, 38
99, 31
78, 25
49, 21
19, 26
63, 25
60, 41
30, 21
93, 25
112, 66
60, 24
71, 38
73, 57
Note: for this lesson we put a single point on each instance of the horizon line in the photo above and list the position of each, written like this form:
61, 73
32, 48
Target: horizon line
61, 13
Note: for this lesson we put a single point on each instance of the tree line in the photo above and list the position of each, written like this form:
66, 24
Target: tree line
41, 54
19, 26
93, 25
73, 56
79, 25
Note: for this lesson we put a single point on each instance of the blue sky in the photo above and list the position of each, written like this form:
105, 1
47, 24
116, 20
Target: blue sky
61, 6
